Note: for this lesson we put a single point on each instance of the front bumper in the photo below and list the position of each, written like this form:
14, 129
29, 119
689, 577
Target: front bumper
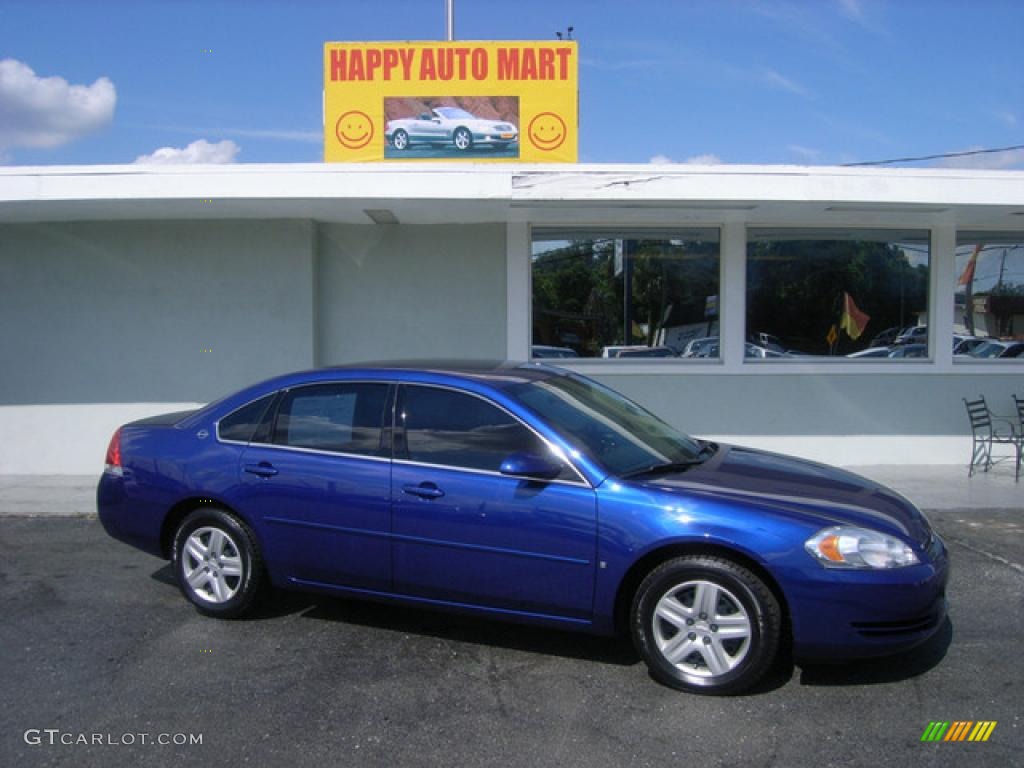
495, 138
857, 614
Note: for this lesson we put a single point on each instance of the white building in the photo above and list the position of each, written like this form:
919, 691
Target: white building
131, 290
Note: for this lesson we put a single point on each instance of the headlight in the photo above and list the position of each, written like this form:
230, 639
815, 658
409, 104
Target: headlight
849, 547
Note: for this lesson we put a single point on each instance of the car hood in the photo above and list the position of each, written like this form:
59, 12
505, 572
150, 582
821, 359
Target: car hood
806, 488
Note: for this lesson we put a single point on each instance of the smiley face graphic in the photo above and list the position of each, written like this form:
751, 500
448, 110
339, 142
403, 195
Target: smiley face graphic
354, 129
547, 131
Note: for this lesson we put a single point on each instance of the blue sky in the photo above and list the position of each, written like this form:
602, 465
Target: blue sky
806, 81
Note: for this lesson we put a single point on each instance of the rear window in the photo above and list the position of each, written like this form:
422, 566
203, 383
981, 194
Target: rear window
240, 425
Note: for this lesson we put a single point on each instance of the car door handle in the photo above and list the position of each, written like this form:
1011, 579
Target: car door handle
263, 469
424, 490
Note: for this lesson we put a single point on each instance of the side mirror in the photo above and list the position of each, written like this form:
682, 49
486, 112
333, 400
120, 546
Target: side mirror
530, 465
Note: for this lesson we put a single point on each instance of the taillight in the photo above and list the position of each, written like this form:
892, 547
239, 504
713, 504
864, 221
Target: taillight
113, 460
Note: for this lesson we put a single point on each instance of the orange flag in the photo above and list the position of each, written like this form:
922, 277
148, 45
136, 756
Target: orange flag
853, 320
968, 274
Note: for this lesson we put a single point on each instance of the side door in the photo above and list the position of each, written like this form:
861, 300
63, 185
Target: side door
319, 483
464, 533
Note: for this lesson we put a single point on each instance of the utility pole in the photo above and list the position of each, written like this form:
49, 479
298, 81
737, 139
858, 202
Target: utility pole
449, 20
627, 293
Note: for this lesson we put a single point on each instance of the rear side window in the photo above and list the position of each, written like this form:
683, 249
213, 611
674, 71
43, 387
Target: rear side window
240, 425
459, 430
342, 418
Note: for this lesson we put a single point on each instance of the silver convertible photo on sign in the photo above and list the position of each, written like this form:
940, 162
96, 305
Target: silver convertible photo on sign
450, 127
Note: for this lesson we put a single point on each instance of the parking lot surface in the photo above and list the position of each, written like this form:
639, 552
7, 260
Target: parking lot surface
96, 639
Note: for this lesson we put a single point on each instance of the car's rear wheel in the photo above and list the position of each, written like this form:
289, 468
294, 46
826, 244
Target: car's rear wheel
706, 625
400, 140
218, 563
462, 139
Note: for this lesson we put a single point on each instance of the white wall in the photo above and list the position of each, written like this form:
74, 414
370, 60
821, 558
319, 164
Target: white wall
103, 322
387, 292
844, 419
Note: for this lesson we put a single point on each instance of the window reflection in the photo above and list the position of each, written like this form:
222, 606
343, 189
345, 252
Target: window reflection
647, 294
988, 300
852, 293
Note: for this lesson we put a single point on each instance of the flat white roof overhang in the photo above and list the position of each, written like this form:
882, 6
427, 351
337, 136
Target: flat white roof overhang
606, 195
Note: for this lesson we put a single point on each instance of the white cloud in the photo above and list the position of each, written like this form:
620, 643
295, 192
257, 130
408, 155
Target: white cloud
995, 161
48, 111
707, 159
852, 9
200, 151
780, 81
807, 153
1006, 117
703, 160
307, 137
275, 134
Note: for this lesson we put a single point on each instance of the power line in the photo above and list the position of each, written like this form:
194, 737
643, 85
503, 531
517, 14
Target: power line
938, 157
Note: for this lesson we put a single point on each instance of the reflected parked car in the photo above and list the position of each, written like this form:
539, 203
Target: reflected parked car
525, 493
636, 350
909, 350
753, 350
540, 350
449, 125
646, 352
766, 341
962, 345
871, 352
886, 337
694, 346
917, 334
1000, 349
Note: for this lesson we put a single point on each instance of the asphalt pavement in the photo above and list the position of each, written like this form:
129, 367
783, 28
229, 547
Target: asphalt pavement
97, 642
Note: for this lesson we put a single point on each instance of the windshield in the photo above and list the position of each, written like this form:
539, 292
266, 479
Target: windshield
615, 432
454, 113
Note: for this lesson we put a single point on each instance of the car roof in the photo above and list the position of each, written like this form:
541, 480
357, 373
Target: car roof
495, 373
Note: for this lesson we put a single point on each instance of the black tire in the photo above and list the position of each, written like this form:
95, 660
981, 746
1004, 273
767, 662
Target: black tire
704, 660
221, 544
462, 139
400, 140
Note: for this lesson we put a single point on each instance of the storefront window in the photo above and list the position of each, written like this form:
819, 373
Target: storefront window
841, 293
988, 301
625, 294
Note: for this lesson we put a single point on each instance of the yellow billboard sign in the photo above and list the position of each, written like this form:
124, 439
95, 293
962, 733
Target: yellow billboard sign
479, 101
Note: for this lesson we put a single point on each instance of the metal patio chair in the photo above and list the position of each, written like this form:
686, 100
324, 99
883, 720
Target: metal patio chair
985, 433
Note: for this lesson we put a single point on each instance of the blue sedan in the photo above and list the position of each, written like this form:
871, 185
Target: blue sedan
531, 494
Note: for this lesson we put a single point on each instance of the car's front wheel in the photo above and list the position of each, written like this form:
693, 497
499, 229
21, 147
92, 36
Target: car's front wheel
462, 139
217, 563
400, 140
706, 625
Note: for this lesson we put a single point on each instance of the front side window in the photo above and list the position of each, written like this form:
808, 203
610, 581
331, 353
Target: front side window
455, 429
837, 293
338, 417
625, 294
616, 432
988, 299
